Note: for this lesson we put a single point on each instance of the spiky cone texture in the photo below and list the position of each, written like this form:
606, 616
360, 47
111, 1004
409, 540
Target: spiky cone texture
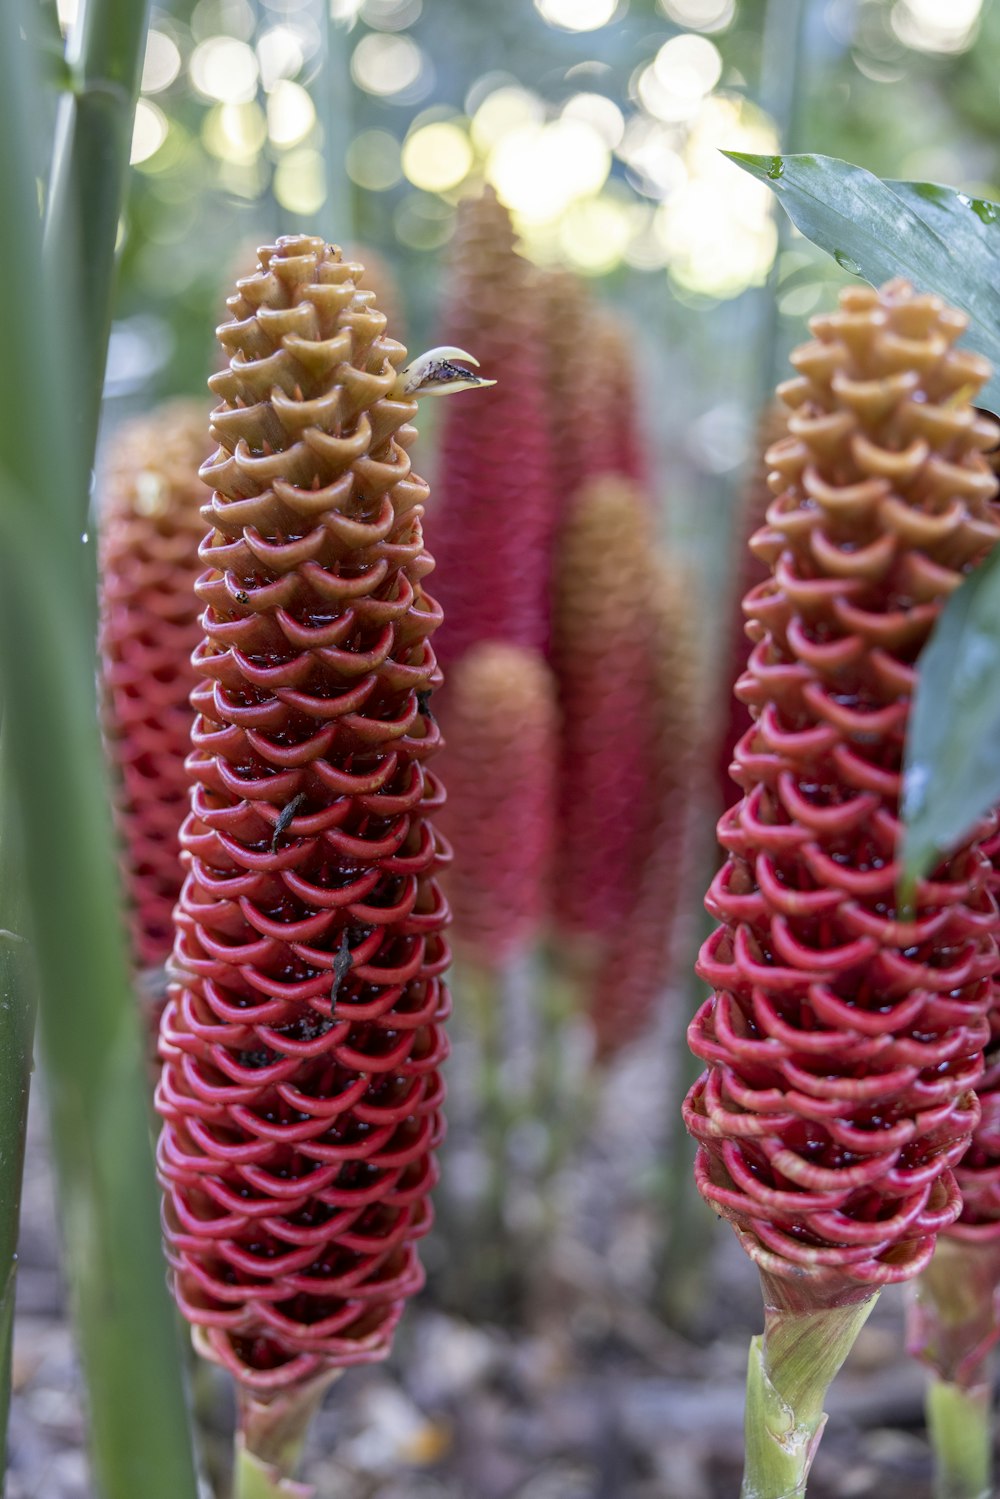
593, 405
637, 966
492, 519
844, 1038
502, 737
747, 571
602, 655
300, 1092
381, 279
150, 530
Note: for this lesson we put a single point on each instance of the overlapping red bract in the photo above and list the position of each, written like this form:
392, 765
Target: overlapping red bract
491, 524
978, 1173
150, 529
300, 1092
844, 1039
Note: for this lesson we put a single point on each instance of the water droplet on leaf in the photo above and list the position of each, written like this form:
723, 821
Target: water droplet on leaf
846, 263
985, 210
776, 168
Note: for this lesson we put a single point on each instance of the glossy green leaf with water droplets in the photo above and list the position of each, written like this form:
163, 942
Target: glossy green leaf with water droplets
952, 769
940, 239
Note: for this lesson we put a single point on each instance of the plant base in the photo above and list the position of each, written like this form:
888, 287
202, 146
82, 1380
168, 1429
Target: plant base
790, 1370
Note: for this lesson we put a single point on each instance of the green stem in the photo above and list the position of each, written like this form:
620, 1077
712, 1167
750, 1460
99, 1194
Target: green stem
790, 1370
104, 54
56, 781
270, 1436
332, 98
953, 1325
959, 1422
16, 1026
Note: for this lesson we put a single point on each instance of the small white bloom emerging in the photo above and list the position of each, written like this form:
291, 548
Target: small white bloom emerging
435, 374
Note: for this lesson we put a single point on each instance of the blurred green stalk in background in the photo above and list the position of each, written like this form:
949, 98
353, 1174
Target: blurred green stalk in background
93, 136
55, 773
16, 1024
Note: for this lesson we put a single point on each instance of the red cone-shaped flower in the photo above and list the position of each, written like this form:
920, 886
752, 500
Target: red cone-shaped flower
151, 526
844, 1037
492, 519
603, 657
300, 1093
501, 783
636, 969
592, 401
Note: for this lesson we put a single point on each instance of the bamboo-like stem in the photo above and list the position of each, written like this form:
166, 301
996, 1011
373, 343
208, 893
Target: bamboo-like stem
789, 1372
959, 1422
16, 1026
104, 54
332, 98
953, 1326
57, 782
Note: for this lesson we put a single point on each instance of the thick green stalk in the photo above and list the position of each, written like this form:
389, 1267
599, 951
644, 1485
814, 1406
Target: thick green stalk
790, 1370
104, 54
332, 98
57, 782
959, 1422
16, 1024
953, 1326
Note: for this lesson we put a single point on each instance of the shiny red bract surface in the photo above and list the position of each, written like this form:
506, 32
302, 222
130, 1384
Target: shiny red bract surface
300, 1092
844, 1037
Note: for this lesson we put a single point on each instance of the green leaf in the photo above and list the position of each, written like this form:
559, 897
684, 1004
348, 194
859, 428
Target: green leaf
941, 240
952, 769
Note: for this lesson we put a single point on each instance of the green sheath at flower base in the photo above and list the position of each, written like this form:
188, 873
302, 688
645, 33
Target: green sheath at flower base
790, 1369
960, 1428
952, 1327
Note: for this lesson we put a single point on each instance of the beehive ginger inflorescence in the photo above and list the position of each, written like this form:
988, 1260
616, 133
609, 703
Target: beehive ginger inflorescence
844, 1037
300, 1092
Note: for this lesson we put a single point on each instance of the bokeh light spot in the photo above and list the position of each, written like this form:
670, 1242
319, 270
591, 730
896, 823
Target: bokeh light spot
936, 25
299, 183
437, 157
601, 113
235, 132
688, 66
504, 110
280, 54
149, 131
225, 69
290, 113
161, 64
594, 233
577, 15
538, 170
386, 64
